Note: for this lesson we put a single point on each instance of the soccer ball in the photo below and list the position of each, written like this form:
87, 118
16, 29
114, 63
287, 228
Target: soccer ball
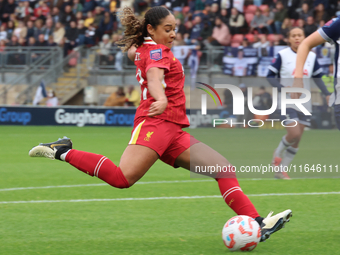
241, 233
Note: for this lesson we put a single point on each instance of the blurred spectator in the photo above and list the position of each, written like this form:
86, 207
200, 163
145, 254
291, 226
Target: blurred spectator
97, 16
224, 16
321, 23
269, 16
81, 32
67, 16
178, 15
77, 7
236, 22
286, 26
89, 20
23, 10
180, 27
14, 41
321, 14
48, 28
305, 12
278, 41
71, 37
240, 65
41, 10
279, 16
88, 6
31, 41
10, 29
133, 97
245, 43
213, 13
51, 42
116, 98
106, 24
7, 10
2, 45
56, 15
105, 55
30, 29
79, 17
89, 35
52, 99
21, 30
119, 54
197, 28
206, 31
59, 33
41, 41
113, 6
199, 5
140, 6
39, 29
22, 41
221, 34
291, 6
40, 15
301, 24
263, 43
263, 100
310, 27
259, 23
3, 32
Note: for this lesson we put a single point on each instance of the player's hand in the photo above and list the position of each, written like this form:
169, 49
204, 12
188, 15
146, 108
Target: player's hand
158, 107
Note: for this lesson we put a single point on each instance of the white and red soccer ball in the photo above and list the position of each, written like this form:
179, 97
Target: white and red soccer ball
241, 233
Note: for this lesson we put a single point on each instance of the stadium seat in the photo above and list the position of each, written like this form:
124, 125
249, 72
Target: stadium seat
249, 17
261, 35
237, 38
263, 7
250, 37
250, 9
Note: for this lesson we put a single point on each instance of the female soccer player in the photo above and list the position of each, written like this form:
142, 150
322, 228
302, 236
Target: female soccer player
157, 132
330, 32
284, 68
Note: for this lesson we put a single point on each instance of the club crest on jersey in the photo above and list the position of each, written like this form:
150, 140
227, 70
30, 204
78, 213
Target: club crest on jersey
156, 54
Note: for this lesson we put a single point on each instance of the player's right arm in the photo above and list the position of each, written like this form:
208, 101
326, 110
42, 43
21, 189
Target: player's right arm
154, 77
329, 32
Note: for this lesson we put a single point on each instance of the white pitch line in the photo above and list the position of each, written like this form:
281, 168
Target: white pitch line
138, 183
99, 184
163, 198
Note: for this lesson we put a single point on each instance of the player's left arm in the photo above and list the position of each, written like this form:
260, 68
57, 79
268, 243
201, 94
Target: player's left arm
154, 76
132, 52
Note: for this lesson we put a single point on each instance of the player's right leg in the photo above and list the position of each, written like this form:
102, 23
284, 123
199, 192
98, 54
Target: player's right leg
200, 154
135, 161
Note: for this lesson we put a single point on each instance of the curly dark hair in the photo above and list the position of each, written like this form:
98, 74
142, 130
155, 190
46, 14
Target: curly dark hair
136, 29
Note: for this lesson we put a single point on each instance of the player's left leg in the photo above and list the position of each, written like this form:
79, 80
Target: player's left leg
202, 155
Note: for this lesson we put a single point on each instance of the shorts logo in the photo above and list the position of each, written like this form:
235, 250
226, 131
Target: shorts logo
156, 54
148, 136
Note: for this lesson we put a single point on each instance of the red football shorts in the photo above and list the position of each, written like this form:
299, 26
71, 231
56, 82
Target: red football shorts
166, 138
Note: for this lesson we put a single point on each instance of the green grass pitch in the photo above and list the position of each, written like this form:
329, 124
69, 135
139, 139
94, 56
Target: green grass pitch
162, 226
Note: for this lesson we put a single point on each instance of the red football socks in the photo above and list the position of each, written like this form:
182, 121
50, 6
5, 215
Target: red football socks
235, 198
97, 165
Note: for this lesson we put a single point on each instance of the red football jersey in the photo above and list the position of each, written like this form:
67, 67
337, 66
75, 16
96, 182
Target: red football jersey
148, 55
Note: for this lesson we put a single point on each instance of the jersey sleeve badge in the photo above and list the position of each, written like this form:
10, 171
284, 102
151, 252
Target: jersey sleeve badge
156, 54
